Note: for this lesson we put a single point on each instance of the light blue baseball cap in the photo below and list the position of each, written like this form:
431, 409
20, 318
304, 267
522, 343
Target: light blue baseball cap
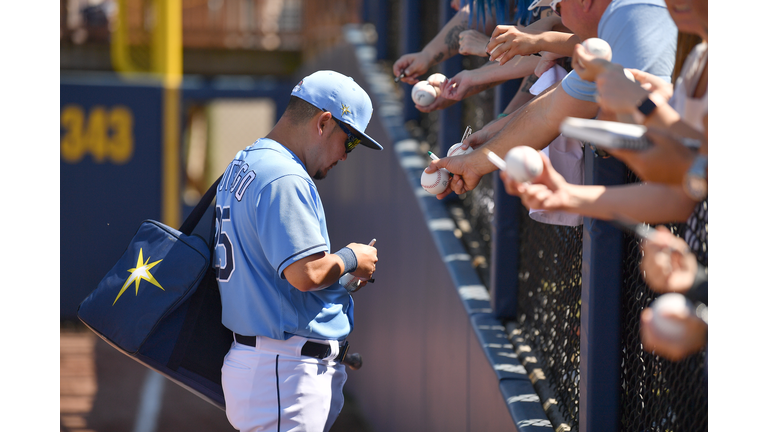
341, 96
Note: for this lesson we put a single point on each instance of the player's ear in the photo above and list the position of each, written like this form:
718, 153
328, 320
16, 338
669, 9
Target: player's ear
324, 122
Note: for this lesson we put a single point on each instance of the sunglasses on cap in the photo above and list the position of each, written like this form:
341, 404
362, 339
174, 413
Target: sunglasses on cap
352, 141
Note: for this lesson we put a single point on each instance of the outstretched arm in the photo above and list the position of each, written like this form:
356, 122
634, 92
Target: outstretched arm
668, 159
647, 202
546, 34
535, 124
472, 81
442, 47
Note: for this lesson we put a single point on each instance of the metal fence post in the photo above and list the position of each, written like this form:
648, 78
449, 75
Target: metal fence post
378, 14
600, 367
410, 42
365, 11
449, 134
505, 244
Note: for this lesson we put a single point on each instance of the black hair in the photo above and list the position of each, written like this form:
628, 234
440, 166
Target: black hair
299, 111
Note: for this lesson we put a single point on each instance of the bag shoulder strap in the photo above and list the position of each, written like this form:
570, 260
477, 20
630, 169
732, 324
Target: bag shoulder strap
197, 213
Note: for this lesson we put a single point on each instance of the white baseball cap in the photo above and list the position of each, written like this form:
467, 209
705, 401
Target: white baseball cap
537, 3
341, 96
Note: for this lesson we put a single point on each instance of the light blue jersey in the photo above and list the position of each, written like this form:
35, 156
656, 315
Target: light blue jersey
642, 36
269, 215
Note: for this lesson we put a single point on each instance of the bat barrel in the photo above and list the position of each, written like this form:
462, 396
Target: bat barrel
353, 360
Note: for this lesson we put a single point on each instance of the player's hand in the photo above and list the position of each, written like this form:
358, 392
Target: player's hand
693, 341
439, 103
414, 65
666, 161
667, 264
509, 41
588, 66
367, 257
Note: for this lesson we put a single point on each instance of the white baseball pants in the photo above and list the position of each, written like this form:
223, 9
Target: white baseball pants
273, 388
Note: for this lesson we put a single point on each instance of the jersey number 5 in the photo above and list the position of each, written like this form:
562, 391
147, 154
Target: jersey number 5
224, 259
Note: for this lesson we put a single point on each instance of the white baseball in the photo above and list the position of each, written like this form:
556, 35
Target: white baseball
523, 163
598, 48
349, 282
629, 75
436, 79
423, 94
436, 182
670, 304
456, 150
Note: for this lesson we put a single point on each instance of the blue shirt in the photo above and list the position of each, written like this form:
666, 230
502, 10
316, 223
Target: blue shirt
269, 215
642, 36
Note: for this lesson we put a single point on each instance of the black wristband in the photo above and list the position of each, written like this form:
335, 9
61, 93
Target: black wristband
349, 259
646, 107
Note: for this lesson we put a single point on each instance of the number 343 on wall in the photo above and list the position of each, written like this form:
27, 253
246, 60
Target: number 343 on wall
106, 134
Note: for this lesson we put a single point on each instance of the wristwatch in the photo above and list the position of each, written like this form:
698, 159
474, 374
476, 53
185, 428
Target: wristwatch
695, 181
646, 107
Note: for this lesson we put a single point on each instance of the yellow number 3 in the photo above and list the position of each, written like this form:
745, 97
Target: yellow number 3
105, 134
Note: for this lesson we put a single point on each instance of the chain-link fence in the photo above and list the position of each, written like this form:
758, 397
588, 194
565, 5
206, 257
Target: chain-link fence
549, 308
658, 394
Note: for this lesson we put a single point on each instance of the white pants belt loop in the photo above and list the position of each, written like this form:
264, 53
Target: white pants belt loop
334, 344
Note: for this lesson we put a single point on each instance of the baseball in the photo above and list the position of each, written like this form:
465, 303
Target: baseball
523, 163
598, 48
436, 79
629, 75
349, 282
436, 182
670, 304
456, 150
423, 94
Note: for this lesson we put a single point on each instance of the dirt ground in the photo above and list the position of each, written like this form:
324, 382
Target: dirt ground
101, 391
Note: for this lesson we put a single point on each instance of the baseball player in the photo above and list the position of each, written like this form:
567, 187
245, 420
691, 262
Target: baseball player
278, 280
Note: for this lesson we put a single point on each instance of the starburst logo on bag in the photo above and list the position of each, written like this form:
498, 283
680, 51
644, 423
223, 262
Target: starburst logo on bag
141, 271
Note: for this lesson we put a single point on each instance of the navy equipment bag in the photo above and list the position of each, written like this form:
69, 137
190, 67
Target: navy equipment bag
160, 305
